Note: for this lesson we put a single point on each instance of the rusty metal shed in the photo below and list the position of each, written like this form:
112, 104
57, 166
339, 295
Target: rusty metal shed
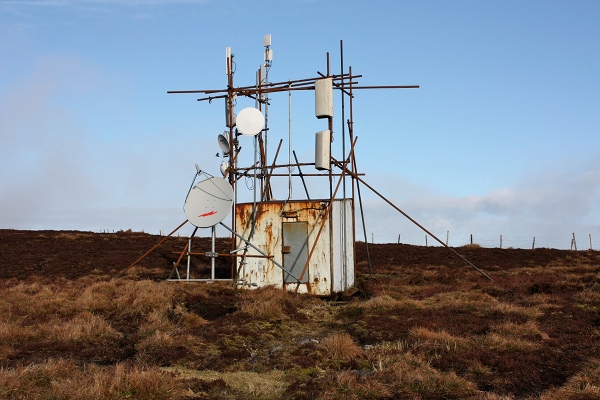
310, 244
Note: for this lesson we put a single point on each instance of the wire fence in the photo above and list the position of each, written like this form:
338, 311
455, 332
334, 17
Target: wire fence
500, 241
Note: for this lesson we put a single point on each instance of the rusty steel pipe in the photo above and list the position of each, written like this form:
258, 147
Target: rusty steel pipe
327, 212
152, 249
415, 222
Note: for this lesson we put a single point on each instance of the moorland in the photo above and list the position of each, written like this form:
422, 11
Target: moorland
76, 322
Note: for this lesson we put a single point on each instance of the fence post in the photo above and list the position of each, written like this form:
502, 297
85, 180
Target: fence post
447, 236
500, 241
533, 244
372, 238
574, 241
398, 238
471, 238
591, 248
426, 245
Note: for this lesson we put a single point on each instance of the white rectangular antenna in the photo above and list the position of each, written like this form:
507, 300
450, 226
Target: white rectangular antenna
323, 150
324, 98
227, 57
267, 40
269, 55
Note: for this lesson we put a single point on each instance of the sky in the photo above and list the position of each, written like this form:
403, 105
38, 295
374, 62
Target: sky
501, 138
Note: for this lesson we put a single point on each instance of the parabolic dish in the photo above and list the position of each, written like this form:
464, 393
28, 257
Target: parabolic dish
209, 202
224, 143
250, 121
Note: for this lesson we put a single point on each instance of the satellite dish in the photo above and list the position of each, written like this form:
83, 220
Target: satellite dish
224, 167
224, 143
209, 202
250, 121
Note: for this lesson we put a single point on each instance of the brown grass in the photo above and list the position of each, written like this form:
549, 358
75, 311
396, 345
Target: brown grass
407, 373
341, 347
437, 339
421, 329
584, 385
84, 327
269, 302
63, 379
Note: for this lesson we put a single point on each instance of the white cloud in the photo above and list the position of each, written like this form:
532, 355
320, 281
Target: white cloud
42, 146
551, 204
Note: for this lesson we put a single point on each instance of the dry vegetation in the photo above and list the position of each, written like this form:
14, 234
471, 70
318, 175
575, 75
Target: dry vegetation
423, 327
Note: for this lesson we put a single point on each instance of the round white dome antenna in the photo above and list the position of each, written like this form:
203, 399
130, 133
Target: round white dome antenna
209, 202
250, 121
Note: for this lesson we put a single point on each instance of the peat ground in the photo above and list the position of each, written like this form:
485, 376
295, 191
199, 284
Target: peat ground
424, 325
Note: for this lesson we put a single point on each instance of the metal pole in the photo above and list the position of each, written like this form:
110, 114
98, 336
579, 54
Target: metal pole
362, 216
326, 216
188, 259
290, 144
213, 250
189, 252
301, 175
344, 216
354, 183
152, 249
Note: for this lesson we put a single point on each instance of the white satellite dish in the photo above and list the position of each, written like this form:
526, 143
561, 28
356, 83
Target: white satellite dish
209, 202
250, 121
224, 143
224, 168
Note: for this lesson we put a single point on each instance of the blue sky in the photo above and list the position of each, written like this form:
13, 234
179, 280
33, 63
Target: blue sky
502, 138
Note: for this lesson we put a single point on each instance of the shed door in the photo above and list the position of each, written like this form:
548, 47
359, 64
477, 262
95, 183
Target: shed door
295, 250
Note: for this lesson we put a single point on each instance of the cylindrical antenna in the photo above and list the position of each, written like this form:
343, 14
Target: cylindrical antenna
227, 60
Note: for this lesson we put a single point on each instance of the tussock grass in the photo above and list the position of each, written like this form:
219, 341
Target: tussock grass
584, 385
437, 339
410, 374
493, 396
84, 327
352, 386
260, 386
317, 310
127, 297
341, 347
63, 379
496, 341
474, 301
36, 301
528, 329
269, 302
387, 302
14, 332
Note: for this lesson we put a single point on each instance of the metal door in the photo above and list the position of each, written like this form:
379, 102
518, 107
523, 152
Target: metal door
295, 251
